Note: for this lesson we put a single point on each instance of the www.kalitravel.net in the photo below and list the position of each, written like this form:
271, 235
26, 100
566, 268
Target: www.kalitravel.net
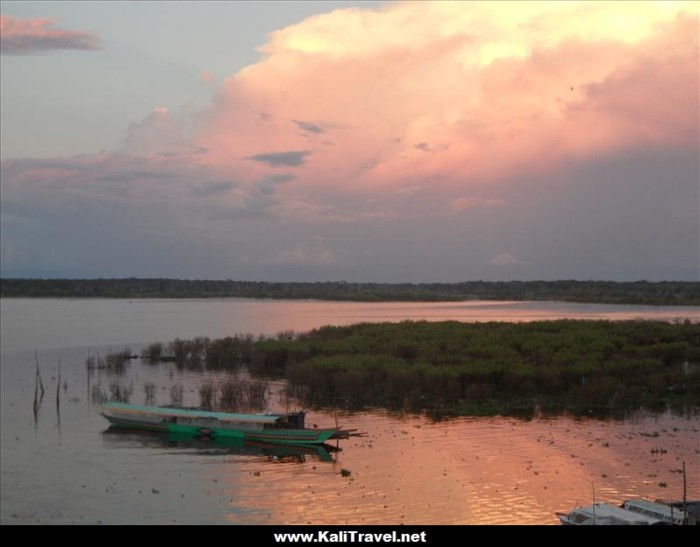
350, 536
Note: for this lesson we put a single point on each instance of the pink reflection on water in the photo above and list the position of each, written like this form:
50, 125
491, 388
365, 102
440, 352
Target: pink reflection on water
482, 471
301, 315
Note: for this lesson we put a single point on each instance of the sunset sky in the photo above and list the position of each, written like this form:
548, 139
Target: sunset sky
358, 141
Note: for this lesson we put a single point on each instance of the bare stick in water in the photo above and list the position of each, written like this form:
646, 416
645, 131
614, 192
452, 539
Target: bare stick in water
58, 397
58, 386
38, 375
36, 399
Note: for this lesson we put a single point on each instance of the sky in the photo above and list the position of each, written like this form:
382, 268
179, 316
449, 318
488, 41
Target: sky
356, 141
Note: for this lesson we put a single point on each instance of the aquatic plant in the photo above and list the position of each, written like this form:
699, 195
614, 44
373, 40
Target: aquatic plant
97, 395
94, 362
228, 353
580, 366
206, 395
229, 395
591, 367
176, 393
243, 394
120, 393
150, 390
152, 353
116, 363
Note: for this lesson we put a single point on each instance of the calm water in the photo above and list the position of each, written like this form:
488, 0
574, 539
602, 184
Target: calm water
63, 466
36, 324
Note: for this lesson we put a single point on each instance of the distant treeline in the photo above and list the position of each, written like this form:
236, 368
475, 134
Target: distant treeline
667, 293
469, 368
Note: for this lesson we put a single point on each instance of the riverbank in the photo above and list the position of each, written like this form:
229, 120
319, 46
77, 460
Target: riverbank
665, 293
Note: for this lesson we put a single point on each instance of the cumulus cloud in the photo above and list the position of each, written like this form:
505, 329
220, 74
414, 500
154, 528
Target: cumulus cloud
29, 36
489, 88
159, 134
541, 122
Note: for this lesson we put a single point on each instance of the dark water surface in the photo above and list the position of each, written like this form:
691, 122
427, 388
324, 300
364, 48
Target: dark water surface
62, 465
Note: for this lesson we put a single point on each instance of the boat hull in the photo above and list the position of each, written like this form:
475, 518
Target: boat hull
155, 422
222, 445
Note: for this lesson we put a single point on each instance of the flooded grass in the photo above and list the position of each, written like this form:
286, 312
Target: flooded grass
116, 363
94, 362
206, 396
584, 367
229, 353
98, 395
243, 394
176, 393
120, 393
152, 353
149, 389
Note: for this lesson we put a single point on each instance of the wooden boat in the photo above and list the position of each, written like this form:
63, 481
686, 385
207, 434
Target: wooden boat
267, 428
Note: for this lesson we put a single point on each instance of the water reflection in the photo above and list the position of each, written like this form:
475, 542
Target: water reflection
410, 469
207, 446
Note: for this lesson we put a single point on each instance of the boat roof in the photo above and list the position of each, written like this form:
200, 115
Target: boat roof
654, 509
166, 411
692, 507
605, 510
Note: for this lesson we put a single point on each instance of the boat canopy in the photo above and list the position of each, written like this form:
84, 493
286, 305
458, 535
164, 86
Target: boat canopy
655, 510
165, 411
604, 513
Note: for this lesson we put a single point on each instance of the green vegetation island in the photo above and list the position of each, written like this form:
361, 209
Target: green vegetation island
454, 368
663, 293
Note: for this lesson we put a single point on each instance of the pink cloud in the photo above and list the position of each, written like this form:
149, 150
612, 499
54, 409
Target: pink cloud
465, 94
206, 76
27, 36
365, 122
159, 134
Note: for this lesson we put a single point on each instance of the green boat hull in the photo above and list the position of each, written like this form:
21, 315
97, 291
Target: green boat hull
276, 435
279, 436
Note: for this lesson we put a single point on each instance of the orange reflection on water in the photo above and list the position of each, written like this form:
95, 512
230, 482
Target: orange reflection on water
273, 316
476, 471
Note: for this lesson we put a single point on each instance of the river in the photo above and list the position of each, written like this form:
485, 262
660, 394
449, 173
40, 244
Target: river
62, 465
